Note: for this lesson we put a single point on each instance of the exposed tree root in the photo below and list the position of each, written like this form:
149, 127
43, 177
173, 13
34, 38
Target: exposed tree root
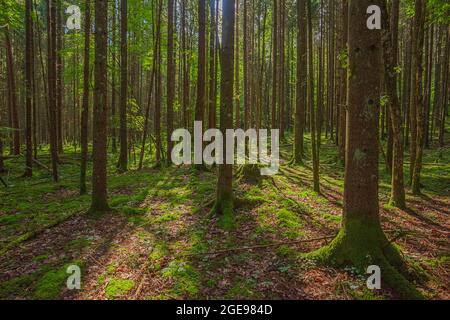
249, 173
361, 244
223, 209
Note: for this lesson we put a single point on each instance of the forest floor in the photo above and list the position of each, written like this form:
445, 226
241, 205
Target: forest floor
161, 243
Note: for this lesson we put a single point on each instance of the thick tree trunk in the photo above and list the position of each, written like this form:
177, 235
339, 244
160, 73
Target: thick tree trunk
99, 155
85, 108
444, 89
113, 81
51, 74
343, 85
419, 25
170, 76
390, 51
59, 79
361, 241
12, 95
158, 85
122, 165
246, 55
224, 201
212, 67
331, 69
274, 64
201, 75
29, 65
185, 67
311, 104
301, 81
237, 71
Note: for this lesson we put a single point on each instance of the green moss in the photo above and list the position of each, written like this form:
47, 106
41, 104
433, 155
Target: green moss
365, 294
111, 268
331, 217
286, 251
223, 208
242, 289
290, 223
41, 258
160, 251
167, 217
13, 288
50, 284
78, 244
186, 278
440, 261
101, 279
117, 288
361, 243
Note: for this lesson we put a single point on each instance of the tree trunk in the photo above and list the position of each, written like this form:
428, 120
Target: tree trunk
301, 81
12, 95
51, 74
158, 85
29, 65
201, 75
113, 80
444, 89
185, 57
361, 241
170, 77
390, 51
311, 104
419, 25
237, 71
99, 155
343, 85
59, 79
224, 201
122, 165
85, 110
274, 63
212, 67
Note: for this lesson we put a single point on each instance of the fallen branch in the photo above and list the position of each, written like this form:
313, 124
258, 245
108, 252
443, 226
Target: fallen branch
40, 164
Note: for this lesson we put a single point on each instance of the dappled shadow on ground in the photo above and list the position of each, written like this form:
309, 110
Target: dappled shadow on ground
161, 242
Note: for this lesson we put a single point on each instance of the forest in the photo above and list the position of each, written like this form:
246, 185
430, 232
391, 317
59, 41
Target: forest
347, 102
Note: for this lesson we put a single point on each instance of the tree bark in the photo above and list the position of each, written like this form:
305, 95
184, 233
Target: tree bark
343, 85
201, 75
301, 81
51, 74
311, 104
99, 156
122, 165
224, 201
419, 25
29, 65
361, 241
237, 71
85, 108
274, 63
390, 51
12, 94
170, 77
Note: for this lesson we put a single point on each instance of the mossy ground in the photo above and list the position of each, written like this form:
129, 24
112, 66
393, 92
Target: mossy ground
153, 245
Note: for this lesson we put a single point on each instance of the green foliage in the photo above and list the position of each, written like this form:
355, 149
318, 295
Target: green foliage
12, 14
